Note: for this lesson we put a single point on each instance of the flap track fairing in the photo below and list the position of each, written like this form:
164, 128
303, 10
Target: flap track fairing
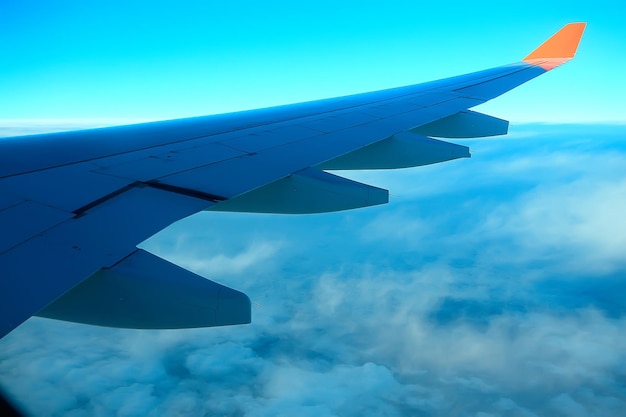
144, 291
308, 191
403, 150
463, 125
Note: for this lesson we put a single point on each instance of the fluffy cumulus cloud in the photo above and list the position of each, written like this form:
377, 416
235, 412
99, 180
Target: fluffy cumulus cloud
489, 287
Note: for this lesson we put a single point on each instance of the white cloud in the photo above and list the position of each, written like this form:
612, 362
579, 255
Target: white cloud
400, 226
579, 226
221, 264
566, 406
357, 343
511, 349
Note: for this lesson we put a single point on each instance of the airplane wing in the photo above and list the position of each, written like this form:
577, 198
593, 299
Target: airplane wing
75, 205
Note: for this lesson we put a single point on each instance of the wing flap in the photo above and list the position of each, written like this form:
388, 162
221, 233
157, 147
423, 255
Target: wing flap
144, 291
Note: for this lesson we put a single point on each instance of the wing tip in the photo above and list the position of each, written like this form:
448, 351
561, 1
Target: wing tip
559, 48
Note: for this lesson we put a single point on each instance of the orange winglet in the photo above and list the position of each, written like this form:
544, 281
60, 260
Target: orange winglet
559, 49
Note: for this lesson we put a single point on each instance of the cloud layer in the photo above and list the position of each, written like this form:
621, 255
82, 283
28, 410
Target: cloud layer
487, 287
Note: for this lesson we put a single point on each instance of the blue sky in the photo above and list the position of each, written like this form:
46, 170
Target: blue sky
147, 60
486, 287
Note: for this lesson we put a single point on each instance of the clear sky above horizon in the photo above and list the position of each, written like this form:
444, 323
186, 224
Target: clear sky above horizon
150, 60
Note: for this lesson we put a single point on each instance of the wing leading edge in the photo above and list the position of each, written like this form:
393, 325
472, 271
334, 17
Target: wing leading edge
74, 205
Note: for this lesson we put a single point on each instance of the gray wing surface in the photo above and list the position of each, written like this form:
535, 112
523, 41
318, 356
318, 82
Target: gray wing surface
75, 205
